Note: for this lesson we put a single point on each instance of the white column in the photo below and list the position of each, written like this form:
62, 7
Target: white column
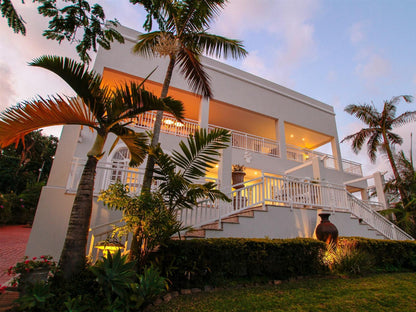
224, 170
204, 113
280, 136
379, 184
317, 168
336, 153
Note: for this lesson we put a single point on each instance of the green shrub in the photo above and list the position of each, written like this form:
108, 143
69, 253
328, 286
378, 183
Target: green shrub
388, 255
345, 258
210, 261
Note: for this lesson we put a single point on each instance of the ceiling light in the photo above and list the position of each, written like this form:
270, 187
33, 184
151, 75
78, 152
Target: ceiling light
291, 135
168, 122
179, 124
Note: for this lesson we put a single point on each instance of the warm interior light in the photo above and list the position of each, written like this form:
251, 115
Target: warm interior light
291, 135
303, 139
168, 122
255, 173
179, 124
216, 166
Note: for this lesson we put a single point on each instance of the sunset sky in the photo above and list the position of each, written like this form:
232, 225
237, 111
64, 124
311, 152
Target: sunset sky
337, 51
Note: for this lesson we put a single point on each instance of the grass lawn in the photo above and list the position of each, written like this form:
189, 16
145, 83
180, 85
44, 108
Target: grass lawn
383, 292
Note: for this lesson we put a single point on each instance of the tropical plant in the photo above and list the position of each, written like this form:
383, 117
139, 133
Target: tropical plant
183, 38
404, 211
379, 131
104, 110
66, 21
151, 216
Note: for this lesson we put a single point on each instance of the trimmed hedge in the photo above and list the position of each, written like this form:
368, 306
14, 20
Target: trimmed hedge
389, 255
210, 261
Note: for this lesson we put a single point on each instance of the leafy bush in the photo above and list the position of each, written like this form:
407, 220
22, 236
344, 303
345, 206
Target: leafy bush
209, 261
388, 255
109, 285
345, 258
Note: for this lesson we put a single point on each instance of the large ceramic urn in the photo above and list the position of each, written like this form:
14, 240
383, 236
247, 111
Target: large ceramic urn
326, 231
238, 177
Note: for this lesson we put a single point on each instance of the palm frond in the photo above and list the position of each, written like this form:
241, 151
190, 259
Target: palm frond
358, 139
146, 43
373, 143
132, 99
394, 138
19, 120
365, 112
135, 142
194, 72
217, 46
404, 118
202, 13
201, 151
85, 83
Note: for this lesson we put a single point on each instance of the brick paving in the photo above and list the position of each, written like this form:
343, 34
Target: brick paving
13, 240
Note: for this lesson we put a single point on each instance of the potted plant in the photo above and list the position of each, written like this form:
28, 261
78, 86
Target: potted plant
237, 175
29, 272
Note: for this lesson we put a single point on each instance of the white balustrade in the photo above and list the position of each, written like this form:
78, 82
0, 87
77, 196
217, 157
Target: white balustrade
170, 124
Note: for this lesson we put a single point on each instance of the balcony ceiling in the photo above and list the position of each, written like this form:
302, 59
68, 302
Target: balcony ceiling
306, 138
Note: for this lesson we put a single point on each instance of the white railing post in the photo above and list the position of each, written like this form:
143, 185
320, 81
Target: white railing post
263, 191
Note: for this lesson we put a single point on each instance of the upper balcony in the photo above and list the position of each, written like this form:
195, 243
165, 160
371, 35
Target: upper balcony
246, 141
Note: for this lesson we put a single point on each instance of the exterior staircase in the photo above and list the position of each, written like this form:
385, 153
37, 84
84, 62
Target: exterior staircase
286, 200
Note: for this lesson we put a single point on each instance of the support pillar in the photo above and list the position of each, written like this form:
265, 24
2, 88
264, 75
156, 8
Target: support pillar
317, 168
337, 154
379, 184
280, 136
204, 113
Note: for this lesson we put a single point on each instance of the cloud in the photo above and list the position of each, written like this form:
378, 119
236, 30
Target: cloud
375, 68
286, 25
356, 32
7, 91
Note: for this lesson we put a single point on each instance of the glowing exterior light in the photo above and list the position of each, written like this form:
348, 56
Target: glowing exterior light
179, 124
168, 122
291, 135
303, 139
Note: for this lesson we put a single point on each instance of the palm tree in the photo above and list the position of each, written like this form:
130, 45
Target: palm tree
182, 38
404, 211
379, 132
104, 110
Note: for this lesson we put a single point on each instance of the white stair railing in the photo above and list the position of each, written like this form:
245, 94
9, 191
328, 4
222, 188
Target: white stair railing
292, 192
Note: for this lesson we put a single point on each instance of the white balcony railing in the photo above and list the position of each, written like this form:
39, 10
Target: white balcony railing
253, 143
169, 124
303, 154
108, 173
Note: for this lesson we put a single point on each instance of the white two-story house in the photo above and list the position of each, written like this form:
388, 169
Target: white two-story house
275, 133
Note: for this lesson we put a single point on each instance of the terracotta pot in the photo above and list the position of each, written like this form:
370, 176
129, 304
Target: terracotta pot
238, 177
33, 277
326, 231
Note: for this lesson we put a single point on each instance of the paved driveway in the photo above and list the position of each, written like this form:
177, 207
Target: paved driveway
13, 240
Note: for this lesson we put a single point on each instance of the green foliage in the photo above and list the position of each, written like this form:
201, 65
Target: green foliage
345, 258
114, 274
35, 298
145, 215
210, 261
388, 255
109, 285
66, 20
151, 284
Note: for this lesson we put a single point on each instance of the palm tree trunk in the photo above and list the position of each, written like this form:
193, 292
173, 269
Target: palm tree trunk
394, 168
148, 174
73, 254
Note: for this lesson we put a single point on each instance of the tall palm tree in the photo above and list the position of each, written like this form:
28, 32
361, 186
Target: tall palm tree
379, 132
104, 110
183, 38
